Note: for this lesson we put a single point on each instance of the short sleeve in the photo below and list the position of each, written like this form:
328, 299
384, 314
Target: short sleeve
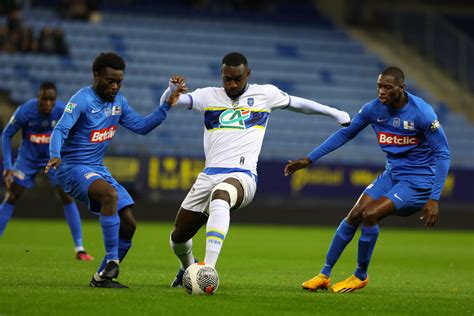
276, 97
199, 99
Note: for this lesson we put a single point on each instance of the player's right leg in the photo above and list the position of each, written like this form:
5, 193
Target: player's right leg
12, 195
73, 219
106, 195
187, 224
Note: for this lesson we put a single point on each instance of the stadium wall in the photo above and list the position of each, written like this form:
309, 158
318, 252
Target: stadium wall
321, 195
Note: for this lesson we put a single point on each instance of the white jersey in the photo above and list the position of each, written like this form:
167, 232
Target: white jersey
234, 129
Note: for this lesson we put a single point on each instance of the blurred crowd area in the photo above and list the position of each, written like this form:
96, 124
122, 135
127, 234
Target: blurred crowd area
16, 36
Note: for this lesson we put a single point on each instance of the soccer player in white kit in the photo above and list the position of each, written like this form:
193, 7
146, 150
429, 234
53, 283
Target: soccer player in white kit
235, 118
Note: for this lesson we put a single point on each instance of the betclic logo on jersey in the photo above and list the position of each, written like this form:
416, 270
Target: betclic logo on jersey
101, 135
39, 138
397, 140
234, 118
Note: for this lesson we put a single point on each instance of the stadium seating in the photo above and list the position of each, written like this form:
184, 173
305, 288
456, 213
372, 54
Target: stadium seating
317, 62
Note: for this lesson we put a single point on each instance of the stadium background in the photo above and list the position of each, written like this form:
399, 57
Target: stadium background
328, 51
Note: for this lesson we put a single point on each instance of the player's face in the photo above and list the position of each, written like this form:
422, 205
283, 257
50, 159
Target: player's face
234, 79
46, 100
389, 90
107, 83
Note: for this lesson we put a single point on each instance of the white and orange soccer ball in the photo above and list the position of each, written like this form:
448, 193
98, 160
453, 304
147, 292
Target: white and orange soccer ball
200, 278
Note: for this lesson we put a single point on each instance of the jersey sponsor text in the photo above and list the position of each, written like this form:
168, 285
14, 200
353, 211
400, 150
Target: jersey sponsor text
40, 138
397, 140
101, 135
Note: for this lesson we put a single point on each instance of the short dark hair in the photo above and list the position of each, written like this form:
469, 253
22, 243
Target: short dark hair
47, 85
234, 59
109, 59
395, 72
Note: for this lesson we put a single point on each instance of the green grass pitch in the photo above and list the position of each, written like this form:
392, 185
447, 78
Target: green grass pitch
417, 272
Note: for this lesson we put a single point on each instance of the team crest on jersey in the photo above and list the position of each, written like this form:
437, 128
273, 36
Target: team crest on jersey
409, 125
250, 101
396, 122
234, 118
435, 125
70, 107
116, 110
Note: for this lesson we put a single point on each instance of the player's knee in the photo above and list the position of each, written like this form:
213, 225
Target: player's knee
178, 236
355, 216
225, 191
110, 196
370, 216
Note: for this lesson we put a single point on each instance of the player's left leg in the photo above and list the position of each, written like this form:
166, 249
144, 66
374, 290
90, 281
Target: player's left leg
225, 196
12, 195
73, 219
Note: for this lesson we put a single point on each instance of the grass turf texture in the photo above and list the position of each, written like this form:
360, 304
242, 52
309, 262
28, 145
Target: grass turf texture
261, 271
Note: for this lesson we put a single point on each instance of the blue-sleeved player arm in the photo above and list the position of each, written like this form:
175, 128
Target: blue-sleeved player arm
143, 124
339, 138
10, 130
71, 114
436, 137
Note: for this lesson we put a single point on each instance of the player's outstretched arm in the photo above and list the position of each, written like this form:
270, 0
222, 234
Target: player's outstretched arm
430, 213
306, 106
294, 165
52, 163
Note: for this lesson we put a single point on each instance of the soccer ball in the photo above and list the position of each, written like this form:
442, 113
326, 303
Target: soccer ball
200, 278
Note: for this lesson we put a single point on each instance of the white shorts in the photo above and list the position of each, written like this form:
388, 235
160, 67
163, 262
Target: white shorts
199, 196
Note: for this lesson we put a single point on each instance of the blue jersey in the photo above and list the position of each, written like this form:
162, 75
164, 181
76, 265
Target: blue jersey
36, 131
412, 138
88, 124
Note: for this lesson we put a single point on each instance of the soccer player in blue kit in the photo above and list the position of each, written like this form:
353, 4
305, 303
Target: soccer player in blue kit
416, 168
36, 118
77, 149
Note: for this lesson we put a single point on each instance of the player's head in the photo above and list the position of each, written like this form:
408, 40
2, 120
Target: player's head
47, 94
391, 86
108, 69
234, 73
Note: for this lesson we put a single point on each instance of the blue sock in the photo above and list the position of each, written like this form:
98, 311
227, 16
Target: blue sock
74, 221
344, 234
367, 241
124, 246
6, 211
110, 231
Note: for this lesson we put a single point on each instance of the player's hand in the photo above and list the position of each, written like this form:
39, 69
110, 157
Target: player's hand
430, 213
53, 162
8, 177
176, 81
173, 99
295, 165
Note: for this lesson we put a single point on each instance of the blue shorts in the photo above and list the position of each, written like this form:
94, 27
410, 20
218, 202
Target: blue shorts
76, 179
24, 173
407, 198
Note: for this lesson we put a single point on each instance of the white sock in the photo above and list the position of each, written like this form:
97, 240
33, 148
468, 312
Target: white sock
216, 229
80, 248
184, 252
